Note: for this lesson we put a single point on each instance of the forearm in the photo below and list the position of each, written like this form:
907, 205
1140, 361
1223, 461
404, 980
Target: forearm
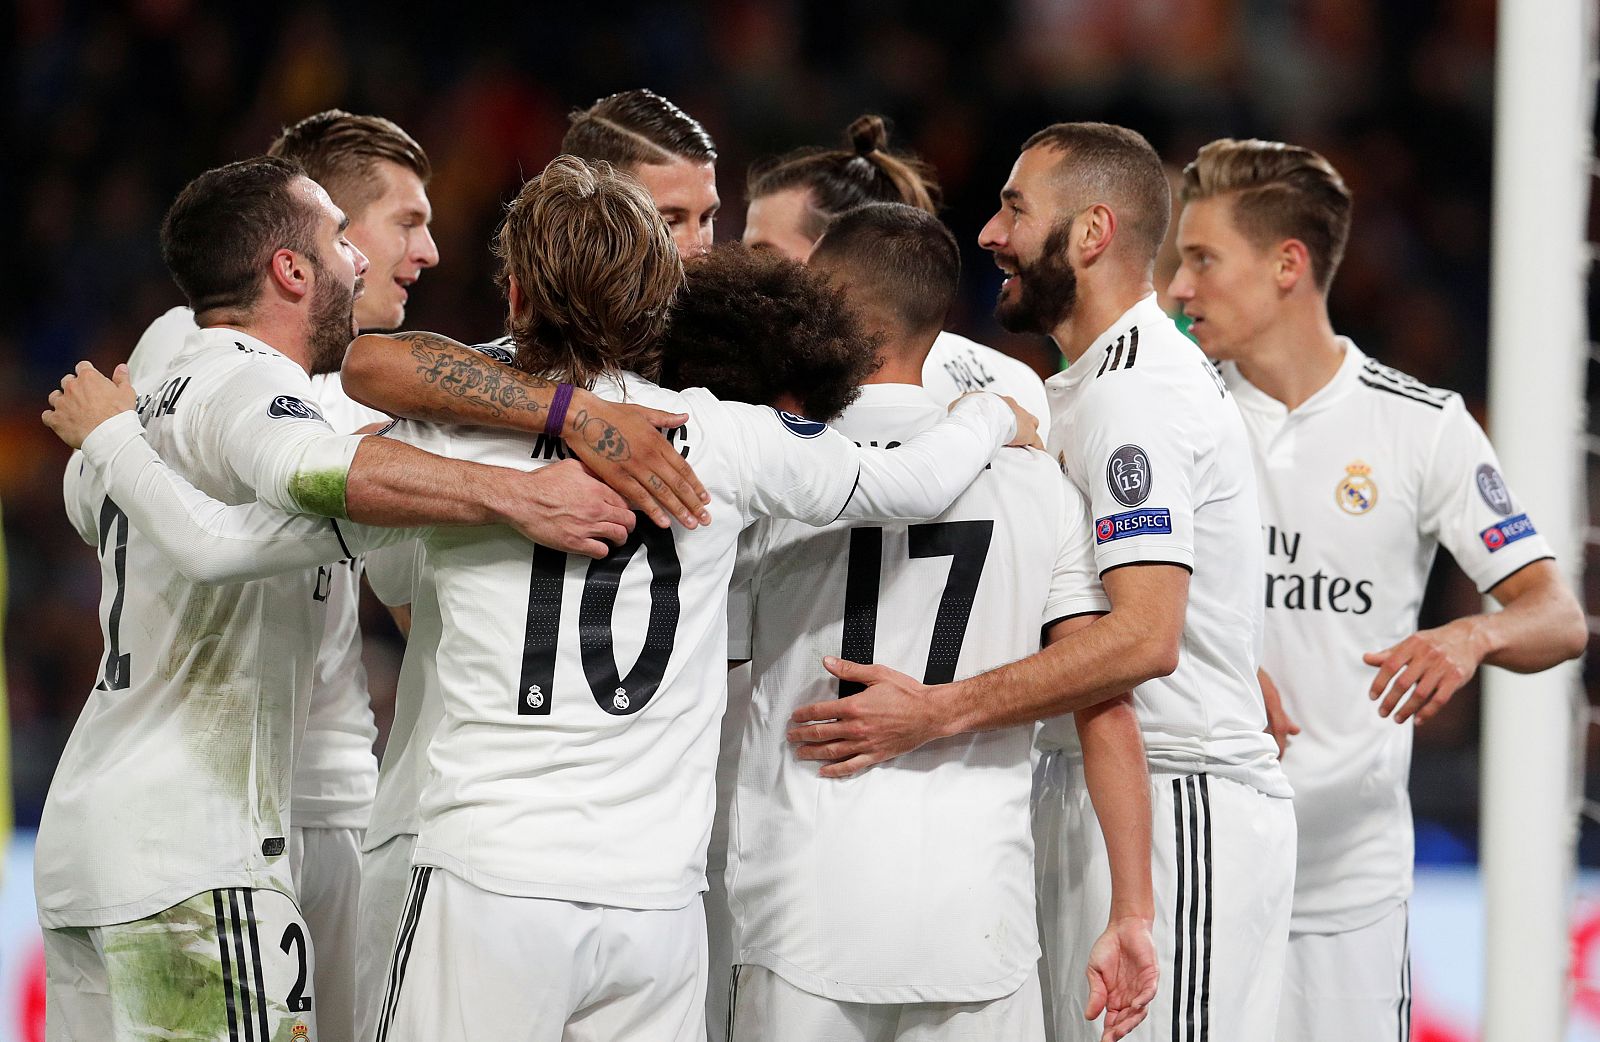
425, 376
920, 479
1104, 659
1118, 778
1539, 629
398, 485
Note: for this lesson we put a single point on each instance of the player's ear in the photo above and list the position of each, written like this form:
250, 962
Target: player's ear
513, 296
1293, 264
1096, 228
290, 273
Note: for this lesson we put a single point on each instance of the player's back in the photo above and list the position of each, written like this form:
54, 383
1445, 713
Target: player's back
1146, 429
913, 881
176, 777
581, 698
958, 364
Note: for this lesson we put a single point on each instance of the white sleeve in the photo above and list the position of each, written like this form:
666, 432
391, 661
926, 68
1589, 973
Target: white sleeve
742, 587
1468, 507
275, 439
392, 572
207, 541
1141, 470
158, 345
917, 481
80, 489
1075, 581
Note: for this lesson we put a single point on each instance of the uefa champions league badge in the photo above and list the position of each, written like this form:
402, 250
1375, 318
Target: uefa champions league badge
1492, 487
1357, 493
799, 426
1128, 475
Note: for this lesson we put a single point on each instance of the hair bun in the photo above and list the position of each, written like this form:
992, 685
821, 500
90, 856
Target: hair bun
868, 134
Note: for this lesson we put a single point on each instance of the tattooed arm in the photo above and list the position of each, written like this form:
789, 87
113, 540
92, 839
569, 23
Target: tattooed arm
425, 376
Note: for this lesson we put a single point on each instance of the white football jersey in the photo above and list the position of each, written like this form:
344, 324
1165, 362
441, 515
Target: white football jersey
957, 365
914, 881
176, 777
578, 745
1145, 428
1359, 486
335, 772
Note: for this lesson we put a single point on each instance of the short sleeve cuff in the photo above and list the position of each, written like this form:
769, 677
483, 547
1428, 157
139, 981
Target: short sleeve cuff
1076, 604
1109, 557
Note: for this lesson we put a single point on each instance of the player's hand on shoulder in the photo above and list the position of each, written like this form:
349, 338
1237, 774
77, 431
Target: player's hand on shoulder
86, 400
564, 507
1123, 975
1027, 434
890, 717
1279, 724
623, 446
1423, 672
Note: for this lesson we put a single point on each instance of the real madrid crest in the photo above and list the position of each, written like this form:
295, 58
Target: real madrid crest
1357, 493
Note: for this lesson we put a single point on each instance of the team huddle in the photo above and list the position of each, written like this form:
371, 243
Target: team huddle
764, 680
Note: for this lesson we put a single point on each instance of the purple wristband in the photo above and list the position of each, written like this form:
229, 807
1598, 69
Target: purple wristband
558, 410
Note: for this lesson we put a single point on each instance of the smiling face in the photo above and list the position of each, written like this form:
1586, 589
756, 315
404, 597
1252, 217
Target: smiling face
778, 221
393, 232
1227, 284
1030, 239
685, 193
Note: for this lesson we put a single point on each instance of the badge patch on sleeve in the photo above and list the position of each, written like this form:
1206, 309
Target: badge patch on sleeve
288, 406
1492, 487
1128, 475
799, 426
1506, 532
1150, 521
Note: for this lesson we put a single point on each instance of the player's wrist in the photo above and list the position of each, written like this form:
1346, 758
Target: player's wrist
952, 704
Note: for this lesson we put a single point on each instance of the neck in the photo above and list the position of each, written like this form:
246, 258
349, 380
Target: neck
284, 333
1098, 306
902, 358
1294, 359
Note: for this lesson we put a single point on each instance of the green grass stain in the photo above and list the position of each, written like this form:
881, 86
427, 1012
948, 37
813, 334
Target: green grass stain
165, 974
319, 492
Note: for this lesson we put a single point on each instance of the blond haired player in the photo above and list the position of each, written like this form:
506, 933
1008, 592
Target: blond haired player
1363, 473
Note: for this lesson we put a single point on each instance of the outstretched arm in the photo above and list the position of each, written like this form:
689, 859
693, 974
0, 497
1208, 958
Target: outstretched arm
1136, 642
425, 376
1540, 625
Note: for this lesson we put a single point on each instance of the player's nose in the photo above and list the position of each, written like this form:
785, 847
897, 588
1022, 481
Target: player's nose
359, 259
426, 254
992, 236
1182, 286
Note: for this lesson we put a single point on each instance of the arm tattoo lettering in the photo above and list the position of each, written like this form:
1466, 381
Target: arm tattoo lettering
462, 373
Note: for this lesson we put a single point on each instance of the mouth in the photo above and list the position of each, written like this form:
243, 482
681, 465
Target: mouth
359, 288
404, 283
1008, 266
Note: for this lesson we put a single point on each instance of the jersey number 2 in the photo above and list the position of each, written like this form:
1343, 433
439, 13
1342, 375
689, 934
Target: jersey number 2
616, 694
965, 542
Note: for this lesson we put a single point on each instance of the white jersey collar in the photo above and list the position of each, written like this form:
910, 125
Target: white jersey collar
1249, 396
227, 336
1145, 309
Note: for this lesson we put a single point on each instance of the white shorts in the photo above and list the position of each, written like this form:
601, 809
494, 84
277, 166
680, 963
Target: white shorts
719, 955
224, 965
474, 965
1222, 864
327, 876
1350, 986
767, 1008
385, 877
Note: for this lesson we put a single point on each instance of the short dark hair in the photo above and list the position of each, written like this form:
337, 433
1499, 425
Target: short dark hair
753, 326
339, 150
1278, 192
595, 269
842, 179
221, 232
636, 127
897, 257
1115, 165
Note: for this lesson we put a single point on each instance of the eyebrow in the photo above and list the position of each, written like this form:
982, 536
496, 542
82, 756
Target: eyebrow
344, 222
1011, 195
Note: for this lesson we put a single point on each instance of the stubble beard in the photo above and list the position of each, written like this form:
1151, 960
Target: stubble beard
332, 322
1048, 289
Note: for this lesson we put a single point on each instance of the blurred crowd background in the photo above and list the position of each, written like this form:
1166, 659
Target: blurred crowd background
114, 106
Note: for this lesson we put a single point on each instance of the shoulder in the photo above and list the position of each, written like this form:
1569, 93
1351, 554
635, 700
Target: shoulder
1391, 387
949, 344
502, 350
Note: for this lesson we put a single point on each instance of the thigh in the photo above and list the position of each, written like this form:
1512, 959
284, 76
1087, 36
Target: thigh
471, 964
649, 977
230, 964
767, 1008
1018, 1017
719, 956
1354, 985
328, 880
385, 879
77, 1000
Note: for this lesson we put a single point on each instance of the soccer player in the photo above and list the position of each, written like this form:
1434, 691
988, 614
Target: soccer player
1363, 473
794, 196
1148, 433
900, 906
162, 874
569, 793
663, 148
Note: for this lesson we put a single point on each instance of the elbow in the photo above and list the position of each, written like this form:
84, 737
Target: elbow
1574, 633
359, 372
1162, 660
